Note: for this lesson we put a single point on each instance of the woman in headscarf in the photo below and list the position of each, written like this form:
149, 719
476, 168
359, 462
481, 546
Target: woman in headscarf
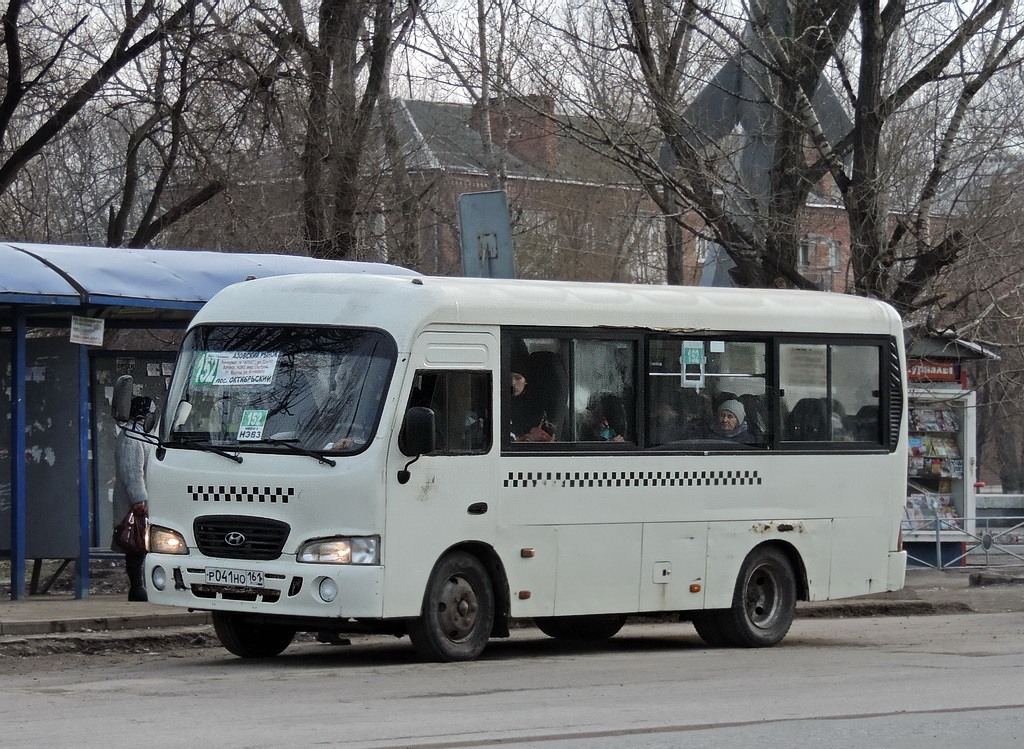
730, 423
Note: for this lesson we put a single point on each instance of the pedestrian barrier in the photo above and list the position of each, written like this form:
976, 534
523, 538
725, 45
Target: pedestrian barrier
995, 542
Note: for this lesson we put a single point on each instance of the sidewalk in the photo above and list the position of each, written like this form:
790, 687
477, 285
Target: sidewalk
927, 591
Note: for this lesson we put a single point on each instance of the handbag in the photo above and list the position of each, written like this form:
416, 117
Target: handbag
543, 432
130, 535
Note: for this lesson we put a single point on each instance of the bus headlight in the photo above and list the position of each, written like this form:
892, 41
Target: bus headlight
165, 541
341, 550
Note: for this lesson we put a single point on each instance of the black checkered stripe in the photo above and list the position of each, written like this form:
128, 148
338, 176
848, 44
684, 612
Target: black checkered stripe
614, 479
250, 494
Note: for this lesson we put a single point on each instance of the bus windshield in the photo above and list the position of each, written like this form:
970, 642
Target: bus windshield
278, 389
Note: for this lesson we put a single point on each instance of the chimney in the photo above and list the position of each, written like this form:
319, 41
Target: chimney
523, 127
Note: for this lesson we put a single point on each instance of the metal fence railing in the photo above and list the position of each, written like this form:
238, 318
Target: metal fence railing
994, 542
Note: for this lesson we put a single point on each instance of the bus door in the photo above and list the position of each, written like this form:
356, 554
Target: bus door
449, 496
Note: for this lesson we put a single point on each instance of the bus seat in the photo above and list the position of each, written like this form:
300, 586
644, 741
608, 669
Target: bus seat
722, 397
547, 383
519, 355
757, 415
864, 424
809, 421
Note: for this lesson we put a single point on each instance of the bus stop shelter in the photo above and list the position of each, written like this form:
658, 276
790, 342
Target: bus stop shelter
52, 298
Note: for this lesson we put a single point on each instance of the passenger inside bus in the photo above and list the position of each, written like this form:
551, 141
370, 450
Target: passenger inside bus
528, 419
730, 423
604, 420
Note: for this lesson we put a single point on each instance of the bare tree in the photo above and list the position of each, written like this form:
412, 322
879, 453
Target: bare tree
344, 61
40, 82
790, 67
478, 60
103, 98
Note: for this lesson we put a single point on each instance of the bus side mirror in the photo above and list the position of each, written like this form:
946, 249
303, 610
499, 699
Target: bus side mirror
417, 432
121, 406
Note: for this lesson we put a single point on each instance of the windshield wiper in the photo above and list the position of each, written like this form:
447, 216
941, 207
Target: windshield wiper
194, 442
290, 445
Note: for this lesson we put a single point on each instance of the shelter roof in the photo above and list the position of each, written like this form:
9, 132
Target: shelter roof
65, 275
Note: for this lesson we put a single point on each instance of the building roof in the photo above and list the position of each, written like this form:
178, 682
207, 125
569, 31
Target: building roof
437, 136
65, 275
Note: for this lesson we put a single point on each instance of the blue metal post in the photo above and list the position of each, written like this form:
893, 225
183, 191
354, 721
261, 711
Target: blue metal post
82, 563
18, 454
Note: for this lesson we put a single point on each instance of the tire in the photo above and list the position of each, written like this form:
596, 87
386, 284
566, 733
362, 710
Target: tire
709, 627
763, 603
458, 611
593, 627
250, 640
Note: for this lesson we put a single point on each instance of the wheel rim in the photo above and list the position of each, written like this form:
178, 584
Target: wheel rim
763, 597
457, 608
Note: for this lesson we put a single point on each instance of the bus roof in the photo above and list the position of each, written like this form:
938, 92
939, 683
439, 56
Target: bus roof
404, 305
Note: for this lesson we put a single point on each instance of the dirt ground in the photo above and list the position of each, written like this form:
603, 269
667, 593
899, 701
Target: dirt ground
105, 576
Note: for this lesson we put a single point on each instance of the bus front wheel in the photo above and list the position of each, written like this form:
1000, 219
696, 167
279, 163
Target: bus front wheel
763, 603
458, 611
248, 640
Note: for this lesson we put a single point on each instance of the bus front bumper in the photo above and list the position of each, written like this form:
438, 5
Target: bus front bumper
279, 587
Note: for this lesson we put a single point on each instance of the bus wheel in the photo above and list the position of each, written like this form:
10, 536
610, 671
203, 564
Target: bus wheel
595, 627
250, 640
764, 602
458, 611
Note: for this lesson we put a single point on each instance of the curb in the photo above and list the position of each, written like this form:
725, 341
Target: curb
850, 609
95, 643
103, 624
978, 579
194, 630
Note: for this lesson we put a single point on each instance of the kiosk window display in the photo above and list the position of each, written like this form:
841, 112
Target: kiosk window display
942, 462
936, 466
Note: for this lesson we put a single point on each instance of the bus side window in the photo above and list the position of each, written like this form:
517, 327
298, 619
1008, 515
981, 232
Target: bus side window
856, 394
834, 391
604, 391
461, 402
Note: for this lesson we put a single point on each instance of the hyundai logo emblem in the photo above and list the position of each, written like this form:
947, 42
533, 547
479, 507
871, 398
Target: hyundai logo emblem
234, 539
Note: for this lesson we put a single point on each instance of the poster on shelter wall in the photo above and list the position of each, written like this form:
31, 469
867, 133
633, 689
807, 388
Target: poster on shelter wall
51, 449
87, 331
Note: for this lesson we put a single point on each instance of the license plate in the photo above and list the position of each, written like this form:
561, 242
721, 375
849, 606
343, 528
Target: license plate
241, 578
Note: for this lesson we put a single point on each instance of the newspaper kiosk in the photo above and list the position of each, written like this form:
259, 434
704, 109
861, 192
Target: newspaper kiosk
942, 451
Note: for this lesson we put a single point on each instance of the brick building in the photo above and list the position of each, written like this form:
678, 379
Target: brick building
575, 214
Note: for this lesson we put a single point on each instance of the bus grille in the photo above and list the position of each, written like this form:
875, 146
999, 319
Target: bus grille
238, 537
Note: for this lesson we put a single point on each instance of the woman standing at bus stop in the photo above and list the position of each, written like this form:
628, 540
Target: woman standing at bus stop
130, 459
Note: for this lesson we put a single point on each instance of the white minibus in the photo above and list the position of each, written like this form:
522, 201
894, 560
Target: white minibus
439, 457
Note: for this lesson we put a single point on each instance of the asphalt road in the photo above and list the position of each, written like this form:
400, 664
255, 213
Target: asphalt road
936, 681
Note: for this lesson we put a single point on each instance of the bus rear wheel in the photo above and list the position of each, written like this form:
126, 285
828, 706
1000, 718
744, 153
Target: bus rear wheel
247, 640
458, 611
593, 627
763, 603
